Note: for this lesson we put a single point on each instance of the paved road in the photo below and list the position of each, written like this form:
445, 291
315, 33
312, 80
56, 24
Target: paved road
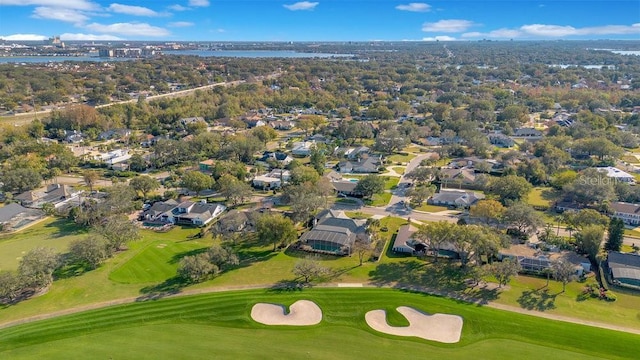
397, 195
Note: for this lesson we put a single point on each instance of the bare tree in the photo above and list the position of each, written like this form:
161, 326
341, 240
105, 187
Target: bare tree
564, 272
362, 247
309, 269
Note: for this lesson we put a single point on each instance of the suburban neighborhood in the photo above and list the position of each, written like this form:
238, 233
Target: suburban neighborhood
403, 170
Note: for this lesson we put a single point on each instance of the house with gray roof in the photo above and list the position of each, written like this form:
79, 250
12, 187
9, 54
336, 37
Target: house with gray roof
334, 232
627, 212
367, 165
56, 194
346, 188
624, 269
14, 216
454, 197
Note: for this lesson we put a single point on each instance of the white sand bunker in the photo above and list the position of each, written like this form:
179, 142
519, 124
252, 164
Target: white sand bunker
302, 313
437, 327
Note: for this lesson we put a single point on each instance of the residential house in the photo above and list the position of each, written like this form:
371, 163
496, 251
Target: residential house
624, 269
56, 194
617, 174
457, 177
278, 157
235, 221
114, 134
73, 136
346, 188
273, 180
14, 216
282, 124
367, 165
628, 213
206, 165
318, 138
457, 198
405, 243
192, 120
528, 133
334, 232
114, 157
303, 148
357, 152
501, 140
156, 211
194, 213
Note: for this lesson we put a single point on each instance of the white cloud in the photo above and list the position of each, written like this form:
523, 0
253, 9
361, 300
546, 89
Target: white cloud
132, 10
555, 31
23, 37
499, 33
415, 7
199, 3
65, 4
302, 5
548, 30
447, 26
88, 37
66, 15
177, 7
181, 24
129, 29
439, 38
561, 31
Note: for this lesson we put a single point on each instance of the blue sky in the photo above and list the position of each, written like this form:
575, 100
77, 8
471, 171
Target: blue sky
321, 20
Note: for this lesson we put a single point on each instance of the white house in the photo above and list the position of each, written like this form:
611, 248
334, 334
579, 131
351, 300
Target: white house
302, 148
617, 174
194, 213
629, 213
114, 157
267, 182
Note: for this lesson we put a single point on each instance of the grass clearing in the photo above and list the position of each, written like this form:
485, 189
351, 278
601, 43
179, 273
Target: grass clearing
220, 323
52, 233
401, 157
379, 199
399, 169
390, 182
357, 215
541, 196
431, 208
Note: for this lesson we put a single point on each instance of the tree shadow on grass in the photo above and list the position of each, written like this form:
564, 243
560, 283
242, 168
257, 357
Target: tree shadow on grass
539, 300
170, 286
177, 257
64, 227
287, 286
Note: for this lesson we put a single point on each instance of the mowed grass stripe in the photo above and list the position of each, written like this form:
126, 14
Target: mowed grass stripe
157, 262
343, 308
188, 341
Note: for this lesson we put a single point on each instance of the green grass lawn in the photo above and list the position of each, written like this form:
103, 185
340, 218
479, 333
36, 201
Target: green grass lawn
431, 208
399, 169
148, 268
52, 233
157, 262
379, 199
220, 323
401, 158
540, 196
357, 215
390, 182
632, 232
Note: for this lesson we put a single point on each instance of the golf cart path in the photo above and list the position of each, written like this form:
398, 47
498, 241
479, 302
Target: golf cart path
493, 305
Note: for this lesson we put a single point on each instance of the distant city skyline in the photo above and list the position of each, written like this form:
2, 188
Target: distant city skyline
321, 20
